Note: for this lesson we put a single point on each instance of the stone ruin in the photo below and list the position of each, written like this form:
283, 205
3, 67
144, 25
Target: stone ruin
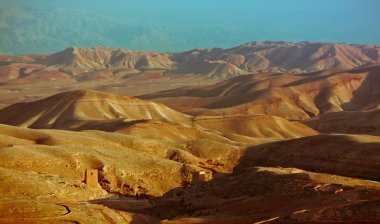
92, 177
201, 176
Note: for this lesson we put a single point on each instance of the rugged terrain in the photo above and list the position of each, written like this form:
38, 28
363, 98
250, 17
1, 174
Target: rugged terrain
269, 132
123, 71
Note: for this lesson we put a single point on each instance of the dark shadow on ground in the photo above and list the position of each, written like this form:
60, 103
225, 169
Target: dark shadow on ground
262, 188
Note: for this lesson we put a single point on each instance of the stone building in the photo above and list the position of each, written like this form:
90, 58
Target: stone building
92, 177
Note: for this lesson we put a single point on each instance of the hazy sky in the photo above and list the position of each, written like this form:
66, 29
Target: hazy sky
175, 25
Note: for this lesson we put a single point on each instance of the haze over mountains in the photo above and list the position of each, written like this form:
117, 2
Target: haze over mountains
45, 26
283, 132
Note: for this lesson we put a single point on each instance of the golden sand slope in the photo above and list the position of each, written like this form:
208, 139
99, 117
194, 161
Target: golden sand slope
92, 110
42, 173
148, 127
127, 159
72, 109
147, 148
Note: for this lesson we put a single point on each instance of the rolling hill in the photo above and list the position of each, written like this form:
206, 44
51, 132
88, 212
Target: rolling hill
122, 71
291, 96
70, 109
262, 122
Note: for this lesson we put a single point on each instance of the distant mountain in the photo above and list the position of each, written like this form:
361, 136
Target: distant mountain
260, 71
250, 58
248, 143
278, 57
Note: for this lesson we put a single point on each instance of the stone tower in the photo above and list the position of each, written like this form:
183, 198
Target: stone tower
91, 178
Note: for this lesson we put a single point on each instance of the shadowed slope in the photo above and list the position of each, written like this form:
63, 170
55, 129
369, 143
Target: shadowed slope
347, 155
351, 122
273, 195
268, 186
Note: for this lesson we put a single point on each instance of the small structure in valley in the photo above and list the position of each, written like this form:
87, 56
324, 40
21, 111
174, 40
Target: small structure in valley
92, 178
201, 176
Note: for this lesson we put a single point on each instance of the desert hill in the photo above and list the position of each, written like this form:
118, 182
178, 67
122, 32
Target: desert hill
271, 186
273, 195
258, 126
94, 110
285, 56
262, 122
70, 109
68, 154
74, 60
123, 71
291, 96
216, 142
346, 155
352, 122
46, 167
129, 163
249, 58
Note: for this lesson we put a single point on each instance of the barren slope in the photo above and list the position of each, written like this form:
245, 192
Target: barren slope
83, 64
74, 60
47, 186
273, 195
123, 71
266, 187
75, 108
247, 58
291, 96
91, 110
258, 126
351, 122
347, 155
261, 165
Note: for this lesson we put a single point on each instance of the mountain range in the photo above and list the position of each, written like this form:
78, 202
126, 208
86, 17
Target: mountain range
280, 133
